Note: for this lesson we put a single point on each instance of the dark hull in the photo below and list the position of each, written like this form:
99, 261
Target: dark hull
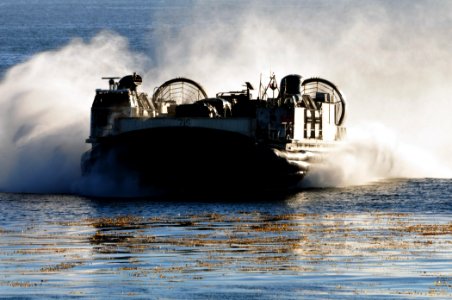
191, 160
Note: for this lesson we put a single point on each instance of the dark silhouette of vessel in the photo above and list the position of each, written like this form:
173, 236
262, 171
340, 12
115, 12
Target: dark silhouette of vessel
182, 140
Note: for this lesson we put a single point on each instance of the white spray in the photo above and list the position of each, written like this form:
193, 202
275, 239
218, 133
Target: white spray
392, 61
394, 72
45, 112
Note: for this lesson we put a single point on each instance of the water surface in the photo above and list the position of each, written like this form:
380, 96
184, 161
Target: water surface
384, 240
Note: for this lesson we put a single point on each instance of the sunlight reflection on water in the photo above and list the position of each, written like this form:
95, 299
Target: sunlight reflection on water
66, 245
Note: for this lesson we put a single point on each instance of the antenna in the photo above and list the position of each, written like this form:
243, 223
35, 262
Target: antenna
272, 84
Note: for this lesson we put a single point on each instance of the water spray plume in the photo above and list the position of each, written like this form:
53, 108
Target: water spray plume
373, 152
394, 72
45, 112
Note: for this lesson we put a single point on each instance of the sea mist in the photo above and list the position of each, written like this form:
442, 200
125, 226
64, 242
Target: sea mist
391, 60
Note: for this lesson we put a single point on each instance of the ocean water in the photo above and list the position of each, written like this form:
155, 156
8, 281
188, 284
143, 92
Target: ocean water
373, 222
385, 240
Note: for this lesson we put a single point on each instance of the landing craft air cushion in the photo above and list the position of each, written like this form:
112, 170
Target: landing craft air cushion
182, 140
